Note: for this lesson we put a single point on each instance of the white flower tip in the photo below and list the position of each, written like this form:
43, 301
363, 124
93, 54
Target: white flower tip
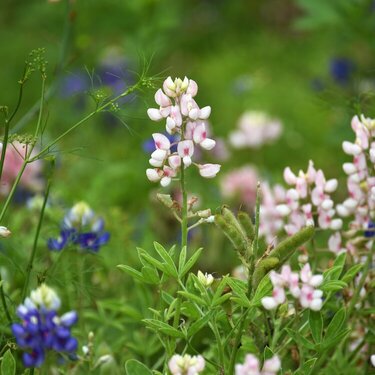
154, 114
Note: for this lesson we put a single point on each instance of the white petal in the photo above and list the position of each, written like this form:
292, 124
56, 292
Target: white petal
209, 170
208, 144
154, 114
205, 113
152, 175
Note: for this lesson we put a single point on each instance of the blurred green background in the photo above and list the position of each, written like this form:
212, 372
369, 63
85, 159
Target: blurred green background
308, 63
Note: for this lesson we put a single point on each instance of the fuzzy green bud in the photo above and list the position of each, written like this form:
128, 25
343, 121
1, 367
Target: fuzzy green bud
246, 224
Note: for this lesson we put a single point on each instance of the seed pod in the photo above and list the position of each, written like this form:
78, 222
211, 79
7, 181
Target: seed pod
262, 268
285, 249
232, 220
232, 233
246, 224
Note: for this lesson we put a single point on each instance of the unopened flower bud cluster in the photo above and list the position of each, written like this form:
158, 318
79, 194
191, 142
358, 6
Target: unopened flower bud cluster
185, 118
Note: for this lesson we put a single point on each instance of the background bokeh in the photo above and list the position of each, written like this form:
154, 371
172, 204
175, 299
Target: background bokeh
310, 64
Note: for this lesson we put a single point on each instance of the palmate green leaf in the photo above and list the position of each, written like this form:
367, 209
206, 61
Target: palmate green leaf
199, 324
335, 325
221, 300
134, 367
156, 263
150, 275
300, 340
264, 289
333, 286
182, 260
339, 337
190, 263
193, 297
169, 263
332, 273
8, 364
351, 273
316, 325
306, 368
162, 327
131, 271
239, 288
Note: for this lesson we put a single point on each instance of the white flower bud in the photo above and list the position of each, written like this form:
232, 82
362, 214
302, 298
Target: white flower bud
336, 224
351, 148
330, 186
4, 232
349, 168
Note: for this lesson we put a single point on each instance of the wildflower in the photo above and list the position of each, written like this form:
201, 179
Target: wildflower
254, 130
186, 121
186, 365
309, 297
81, 227
206, 279
41, 329
251, 366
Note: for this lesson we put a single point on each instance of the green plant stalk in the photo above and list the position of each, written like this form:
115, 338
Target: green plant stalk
4, 302
361, 283
213, 328
254, 253
7, 124
35, 244
80, 122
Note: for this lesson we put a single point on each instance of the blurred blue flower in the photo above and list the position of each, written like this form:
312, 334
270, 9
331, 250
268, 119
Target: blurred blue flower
80, 227
341, 69
42, 329
74, 83
370, 232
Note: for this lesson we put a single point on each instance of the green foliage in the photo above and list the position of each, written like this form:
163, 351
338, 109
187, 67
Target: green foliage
8, 364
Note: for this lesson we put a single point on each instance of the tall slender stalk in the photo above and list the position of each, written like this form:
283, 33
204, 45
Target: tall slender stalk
239, 334
35, 244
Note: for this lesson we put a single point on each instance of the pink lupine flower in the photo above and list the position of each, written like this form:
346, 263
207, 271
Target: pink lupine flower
186, 150
308, 278
186, 365
14, 158
311, 298
184, 117
254, 130
308, 296
251, 366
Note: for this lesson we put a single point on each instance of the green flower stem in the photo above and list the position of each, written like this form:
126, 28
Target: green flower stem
86, 118
35, 244
4, 302
361, 283
214, 329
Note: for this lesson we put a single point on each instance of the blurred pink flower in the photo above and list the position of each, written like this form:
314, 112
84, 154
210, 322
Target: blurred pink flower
14, 157
254, 130
242, 184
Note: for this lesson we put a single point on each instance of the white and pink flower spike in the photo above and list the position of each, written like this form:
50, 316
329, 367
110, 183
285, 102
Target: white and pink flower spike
183, 117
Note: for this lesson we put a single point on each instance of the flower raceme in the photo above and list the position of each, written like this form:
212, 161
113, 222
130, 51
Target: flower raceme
41, 329
184, 119
81, 227
360, 204
305, 291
